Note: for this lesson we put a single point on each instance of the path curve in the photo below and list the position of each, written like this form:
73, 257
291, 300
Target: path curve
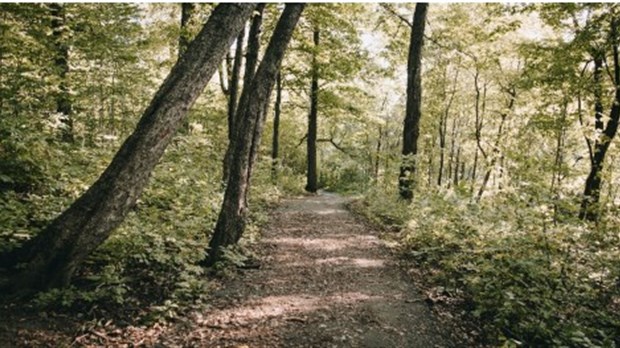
326, 280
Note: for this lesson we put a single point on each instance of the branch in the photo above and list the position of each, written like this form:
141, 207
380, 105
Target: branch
338, 147
393, 12
220, 73
301, 141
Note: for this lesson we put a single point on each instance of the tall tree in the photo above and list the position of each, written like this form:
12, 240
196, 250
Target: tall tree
311, 173
50, 259
411, 129
251, 59
275, 142
592, 190
255, 95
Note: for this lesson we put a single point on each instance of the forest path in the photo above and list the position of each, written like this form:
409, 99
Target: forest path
326, 280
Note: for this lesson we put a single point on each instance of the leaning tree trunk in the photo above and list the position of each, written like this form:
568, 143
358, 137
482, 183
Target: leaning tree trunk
233, 85
275, 143
61, 62
251, 59
411, 129
232, 218
592, 191
49, 260
311, 184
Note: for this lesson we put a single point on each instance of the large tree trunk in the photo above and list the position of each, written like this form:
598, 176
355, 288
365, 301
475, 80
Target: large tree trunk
311, 173
232, 218
251, 59
61, 62
411, 129
275, 143
592, 191
49, 260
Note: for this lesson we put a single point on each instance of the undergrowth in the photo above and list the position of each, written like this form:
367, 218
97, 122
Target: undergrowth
148, 270
527, 275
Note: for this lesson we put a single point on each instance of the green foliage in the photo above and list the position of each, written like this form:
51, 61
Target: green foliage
523, 277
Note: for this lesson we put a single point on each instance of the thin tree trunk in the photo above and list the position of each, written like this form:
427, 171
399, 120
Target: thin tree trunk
411, 129
479, 113
233, 93
456, 168
275, 143
61, 61
232, 218
251, 59
378, 154
49, 260
451, 163
556, 177
311, 184
430, 146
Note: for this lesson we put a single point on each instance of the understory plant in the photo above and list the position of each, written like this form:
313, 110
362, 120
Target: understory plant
527, 276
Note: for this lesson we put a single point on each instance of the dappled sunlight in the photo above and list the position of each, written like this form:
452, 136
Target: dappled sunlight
328, 244
270, 307
343, 261
358, 262
328, 211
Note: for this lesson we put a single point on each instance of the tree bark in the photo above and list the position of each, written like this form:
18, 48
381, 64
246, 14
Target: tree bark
61, 61
233, 85
49, 260
251, 59
311, 174
592, 191
378, 154
275, 143
232, 218
411, 129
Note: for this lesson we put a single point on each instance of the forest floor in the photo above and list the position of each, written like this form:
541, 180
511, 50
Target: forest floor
325, 280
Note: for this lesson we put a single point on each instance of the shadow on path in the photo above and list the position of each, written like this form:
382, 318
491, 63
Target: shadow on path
326, 281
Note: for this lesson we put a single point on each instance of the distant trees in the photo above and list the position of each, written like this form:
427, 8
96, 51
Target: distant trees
411, 129
61, 61
49, 259
250, 119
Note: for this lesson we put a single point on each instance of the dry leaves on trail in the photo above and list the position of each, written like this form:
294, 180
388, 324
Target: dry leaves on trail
326, 280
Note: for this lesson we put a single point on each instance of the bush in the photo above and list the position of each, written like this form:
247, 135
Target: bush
526, 279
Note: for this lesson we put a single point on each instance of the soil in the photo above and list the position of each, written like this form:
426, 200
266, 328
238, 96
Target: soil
325, 279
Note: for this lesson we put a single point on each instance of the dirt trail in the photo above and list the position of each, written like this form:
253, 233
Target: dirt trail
326, 281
